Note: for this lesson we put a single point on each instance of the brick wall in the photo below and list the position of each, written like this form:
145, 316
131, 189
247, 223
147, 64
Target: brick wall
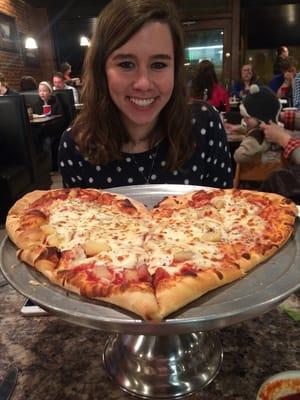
34, 21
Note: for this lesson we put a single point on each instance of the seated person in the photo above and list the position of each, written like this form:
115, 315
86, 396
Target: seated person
46, 98
4, 89
260, 105
282, 84
59, 83
28, 83
205, 86
296, 91
66, 70
281, 54
49, 137
241, 88
286, 181
290, 145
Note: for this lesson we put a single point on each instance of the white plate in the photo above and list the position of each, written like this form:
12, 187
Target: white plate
280, 385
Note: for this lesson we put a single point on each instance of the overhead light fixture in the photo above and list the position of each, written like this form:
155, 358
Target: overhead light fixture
30, 43
84, 41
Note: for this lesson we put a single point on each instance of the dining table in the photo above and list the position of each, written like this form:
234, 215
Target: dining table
45, 120
60, 360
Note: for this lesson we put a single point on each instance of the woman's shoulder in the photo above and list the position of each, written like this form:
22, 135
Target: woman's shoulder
68, 137
205, 118
203, 110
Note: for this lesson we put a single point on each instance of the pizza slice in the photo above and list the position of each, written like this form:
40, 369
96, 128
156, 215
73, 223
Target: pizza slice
88, 241
206, 239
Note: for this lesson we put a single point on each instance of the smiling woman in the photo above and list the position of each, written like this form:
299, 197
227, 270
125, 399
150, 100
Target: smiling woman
136, 126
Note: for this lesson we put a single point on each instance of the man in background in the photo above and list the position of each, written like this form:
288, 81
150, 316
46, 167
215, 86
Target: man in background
59, 83
281, 54
4, 89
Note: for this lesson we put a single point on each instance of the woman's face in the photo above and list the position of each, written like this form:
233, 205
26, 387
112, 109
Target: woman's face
140, 76
44, 92
246, 72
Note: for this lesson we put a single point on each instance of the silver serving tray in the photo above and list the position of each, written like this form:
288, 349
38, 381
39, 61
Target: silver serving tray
262, 289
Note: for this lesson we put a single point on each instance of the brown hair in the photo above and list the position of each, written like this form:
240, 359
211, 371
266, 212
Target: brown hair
58, 74
28, 82
204, 79
2, 79
98, 129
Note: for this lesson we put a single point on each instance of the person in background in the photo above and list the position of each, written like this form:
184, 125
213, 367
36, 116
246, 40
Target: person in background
4, 89
286, 181
46, 98
281, 54
205, 86
137, 127
282, 84
59, 83
296, 91
290, 145
28, 83
241, 88
260, 105
66, 70
49, 136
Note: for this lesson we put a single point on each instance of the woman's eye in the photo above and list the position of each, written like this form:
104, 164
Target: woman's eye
158, 65
126, 64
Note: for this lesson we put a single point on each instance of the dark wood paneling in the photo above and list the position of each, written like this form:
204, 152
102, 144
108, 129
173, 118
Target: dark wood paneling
270, 27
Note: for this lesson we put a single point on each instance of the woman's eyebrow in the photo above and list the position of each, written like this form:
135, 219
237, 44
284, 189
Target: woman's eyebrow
123, 56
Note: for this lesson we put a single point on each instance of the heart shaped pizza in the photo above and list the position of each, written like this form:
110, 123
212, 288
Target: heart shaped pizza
110, 247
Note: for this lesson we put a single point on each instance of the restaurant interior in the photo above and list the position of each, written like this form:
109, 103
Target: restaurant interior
72, 357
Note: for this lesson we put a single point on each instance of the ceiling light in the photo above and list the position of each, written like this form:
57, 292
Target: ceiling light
30, 43
84, 41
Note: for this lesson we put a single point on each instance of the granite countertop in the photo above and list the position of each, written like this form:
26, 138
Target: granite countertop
60, 361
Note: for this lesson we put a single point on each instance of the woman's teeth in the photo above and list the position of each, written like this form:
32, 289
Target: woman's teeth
142, 102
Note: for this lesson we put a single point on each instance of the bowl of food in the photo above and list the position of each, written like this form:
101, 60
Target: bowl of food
281, 386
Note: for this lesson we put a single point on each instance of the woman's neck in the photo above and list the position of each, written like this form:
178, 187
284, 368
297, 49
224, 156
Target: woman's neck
141, 140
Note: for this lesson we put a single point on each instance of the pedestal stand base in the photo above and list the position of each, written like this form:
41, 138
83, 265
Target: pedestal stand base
160, 367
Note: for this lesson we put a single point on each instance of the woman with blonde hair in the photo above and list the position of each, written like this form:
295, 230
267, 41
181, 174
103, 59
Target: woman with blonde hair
136, 126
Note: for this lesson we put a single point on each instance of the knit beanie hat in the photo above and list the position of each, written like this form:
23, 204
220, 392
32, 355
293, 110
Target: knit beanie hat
47, 84
261, 103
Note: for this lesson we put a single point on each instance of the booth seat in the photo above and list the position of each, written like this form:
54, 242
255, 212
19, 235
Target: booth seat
22, 168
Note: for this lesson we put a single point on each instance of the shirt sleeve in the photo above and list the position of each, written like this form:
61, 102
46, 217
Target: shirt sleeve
296, 92
213, 148
248, 148
292, 150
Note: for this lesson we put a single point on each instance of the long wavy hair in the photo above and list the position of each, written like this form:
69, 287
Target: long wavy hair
98, 129
204, 79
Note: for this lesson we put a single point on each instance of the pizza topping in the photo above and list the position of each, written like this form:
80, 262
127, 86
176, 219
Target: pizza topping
93, 247
104, 245
127, 206
183, 256
160, 275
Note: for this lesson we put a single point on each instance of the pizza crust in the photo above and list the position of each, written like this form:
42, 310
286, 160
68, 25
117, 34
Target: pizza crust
175, 293
139, 298
185, 279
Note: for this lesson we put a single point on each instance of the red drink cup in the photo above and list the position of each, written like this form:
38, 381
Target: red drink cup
47, 109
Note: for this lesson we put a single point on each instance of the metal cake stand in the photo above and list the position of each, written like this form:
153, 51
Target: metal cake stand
181, 354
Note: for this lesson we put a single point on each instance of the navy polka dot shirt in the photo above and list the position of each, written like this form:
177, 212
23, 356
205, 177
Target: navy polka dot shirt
210, 164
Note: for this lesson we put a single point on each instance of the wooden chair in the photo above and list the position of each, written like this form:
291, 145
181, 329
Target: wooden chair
258, 170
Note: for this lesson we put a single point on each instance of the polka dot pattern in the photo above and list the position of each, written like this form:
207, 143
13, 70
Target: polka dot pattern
210, 164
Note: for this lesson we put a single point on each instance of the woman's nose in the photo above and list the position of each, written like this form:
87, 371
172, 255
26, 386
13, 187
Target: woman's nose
142, 80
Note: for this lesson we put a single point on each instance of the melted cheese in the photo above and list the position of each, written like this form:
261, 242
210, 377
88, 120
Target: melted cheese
128, 241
